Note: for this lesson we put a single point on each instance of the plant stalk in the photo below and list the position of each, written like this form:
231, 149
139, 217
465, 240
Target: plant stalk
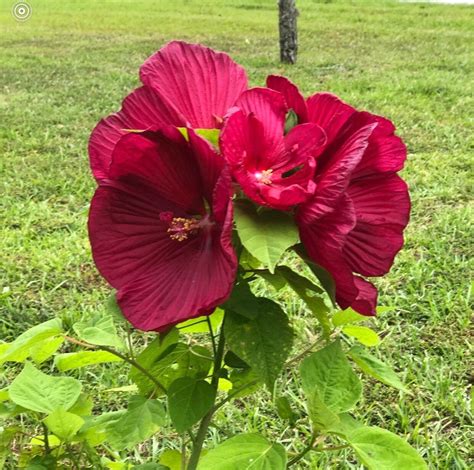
206, 421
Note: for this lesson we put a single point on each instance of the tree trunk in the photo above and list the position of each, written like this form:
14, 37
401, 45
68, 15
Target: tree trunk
288, 31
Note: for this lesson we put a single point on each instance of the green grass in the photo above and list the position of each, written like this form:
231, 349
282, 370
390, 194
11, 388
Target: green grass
73, 61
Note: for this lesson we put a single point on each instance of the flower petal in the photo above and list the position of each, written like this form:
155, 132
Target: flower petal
141, 110
294, 99
329, 112
200, 83
340, 159
324, 239
270, 109
161, 281
385, 153
382, 207
165, 159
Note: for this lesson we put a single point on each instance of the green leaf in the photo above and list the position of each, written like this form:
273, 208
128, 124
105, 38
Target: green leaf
19, 349
200, 325
348, 316
112, 307
243, 301
94, 428
266, 234
211, 135
310, 294
291, 120
344, 426
245, 452
42, 351
142, 419
376, 368
379, 449
323, 276
284, 409
167, 364
63, 424
99, 330
188, 401
330, 373
247, 380
36, 391
363, 334
276, 280
83, 406
171, 459
151, 466
76, 360
265, 342
330, 385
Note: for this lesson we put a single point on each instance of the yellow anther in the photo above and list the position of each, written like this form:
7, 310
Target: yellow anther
264, 176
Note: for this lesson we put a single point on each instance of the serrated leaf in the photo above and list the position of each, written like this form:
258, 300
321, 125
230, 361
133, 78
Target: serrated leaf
188, 401
142, 419
376, 368
330, 385
63, 424
76, 360
379, 449
36, 391
264, 342
19, 350
99, 330
245, 452
265, 234
200, 325
363, 334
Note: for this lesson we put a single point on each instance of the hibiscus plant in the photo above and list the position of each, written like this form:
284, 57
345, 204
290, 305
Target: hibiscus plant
214, 203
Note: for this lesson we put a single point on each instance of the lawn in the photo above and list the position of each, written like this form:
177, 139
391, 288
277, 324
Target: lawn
74, 60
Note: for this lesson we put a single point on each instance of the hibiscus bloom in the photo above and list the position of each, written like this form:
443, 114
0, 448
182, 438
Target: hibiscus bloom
160, 227
353, 225
183, 85
273, 169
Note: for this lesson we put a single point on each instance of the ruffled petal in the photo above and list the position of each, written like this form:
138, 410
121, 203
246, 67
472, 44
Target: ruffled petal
200, 83
386, 152
270, 109
329, 112
382, 207
294, 99
334, 178
142, 109
161, 281
324, 240
165, 159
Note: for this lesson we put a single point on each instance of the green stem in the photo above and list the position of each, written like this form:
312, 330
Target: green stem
307, 449
206, 421
125, 358
47, 448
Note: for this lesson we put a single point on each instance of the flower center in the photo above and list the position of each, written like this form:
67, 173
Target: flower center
264, 176
181, 228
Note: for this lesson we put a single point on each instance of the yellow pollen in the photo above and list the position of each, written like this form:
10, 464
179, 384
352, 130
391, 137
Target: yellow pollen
264, 176
180, 228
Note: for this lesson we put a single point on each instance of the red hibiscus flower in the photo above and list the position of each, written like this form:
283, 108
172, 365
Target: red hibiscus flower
160, 228
354, 223
273, 169
183, 85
